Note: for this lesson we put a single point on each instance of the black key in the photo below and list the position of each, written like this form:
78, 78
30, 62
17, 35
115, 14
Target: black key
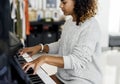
30, 71
35, 79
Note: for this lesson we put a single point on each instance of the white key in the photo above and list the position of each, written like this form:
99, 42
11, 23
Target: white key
27, 57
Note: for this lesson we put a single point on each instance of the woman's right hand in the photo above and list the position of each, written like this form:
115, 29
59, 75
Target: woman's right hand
30, 50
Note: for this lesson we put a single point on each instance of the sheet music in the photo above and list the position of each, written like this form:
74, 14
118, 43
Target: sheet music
40, 72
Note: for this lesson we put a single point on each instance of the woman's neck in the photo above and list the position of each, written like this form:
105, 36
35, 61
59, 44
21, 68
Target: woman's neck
74, 17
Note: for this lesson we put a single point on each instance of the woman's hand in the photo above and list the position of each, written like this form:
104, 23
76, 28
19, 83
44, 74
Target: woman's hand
30, 50
52, 60
35, 64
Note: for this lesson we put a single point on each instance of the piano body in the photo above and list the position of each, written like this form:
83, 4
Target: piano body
11, 62
16, 66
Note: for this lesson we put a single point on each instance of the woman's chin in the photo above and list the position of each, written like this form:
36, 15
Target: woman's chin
65, 13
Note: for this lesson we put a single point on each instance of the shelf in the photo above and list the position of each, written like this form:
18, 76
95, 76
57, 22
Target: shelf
34, 23
44, 32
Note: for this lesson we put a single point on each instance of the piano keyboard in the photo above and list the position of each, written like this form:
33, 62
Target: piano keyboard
41, 77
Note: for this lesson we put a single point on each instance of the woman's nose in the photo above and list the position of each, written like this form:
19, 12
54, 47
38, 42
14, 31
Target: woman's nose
61, 5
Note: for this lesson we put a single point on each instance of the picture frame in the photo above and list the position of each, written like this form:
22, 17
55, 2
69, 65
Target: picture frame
55, 15
48, 14
51, 4
36, 4
40, 15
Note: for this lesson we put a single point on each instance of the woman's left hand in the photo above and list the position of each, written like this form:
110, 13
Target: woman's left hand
35, 64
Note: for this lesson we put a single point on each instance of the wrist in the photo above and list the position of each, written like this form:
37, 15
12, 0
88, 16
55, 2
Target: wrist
44, 58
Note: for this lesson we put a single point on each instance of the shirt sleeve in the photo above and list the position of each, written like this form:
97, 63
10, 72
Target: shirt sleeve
54, 47
84, 49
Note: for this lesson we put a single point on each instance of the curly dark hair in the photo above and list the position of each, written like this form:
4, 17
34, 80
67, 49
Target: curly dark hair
84, 9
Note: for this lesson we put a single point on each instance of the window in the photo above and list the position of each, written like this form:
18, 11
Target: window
114, 16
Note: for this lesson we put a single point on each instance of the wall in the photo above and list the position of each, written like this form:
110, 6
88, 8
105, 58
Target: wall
103, 19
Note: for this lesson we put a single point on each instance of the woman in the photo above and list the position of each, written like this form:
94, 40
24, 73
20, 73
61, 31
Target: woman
78, 49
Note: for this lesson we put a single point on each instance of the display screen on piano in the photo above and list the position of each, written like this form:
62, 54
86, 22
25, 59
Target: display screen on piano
16, 66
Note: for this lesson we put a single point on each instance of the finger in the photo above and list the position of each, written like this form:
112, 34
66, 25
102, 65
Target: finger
34, 73
31, 54
22, 51
24, 66
27, 68
35, 70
